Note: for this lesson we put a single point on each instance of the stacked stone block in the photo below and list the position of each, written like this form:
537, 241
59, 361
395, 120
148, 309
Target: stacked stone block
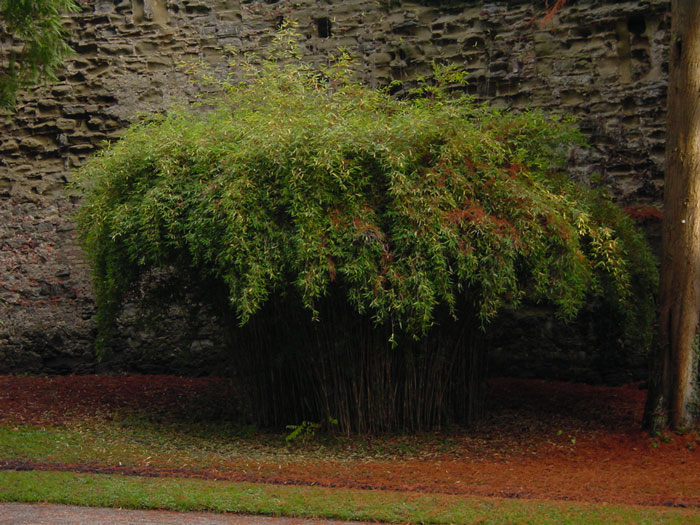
605, 62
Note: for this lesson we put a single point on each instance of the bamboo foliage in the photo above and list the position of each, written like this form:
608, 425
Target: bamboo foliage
37, 47
358, 245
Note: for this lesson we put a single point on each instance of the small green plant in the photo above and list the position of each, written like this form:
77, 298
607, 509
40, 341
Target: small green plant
307, 431
302, 433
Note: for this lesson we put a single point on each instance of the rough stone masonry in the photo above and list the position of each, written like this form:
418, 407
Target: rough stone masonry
603, 61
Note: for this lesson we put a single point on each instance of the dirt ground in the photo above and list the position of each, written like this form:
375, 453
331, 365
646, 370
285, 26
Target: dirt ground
539, 439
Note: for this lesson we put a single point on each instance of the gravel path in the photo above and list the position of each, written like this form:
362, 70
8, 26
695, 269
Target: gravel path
43, 514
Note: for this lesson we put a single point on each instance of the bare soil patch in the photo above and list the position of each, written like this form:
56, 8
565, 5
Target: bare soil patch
540, 439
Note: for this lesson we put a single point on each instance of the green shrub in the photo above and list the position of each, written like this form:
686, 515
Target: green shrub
307, 197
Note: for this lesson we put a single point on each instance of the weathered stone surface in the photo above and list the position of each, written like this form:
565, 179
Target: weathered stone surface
605, 62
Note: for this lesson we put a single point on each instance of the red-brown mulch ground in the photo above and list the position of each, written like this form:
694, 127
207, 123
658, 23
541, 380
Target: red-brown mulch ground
540, 439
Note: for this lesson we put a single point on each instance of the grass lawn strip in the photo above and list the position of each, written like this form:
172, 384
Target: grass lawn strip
152, 450
313, 502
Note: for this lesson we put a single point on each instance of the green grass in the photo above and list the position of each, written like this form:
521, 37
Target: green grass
113, 443
396, 507
131, 440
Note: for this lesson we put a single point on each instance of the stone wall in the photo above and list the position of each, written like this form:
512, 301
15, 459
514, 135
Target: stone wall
604, 62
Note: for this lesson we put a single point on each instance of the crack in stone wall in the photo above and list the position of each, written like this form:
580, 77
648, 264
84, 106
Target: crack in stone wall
604, 62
